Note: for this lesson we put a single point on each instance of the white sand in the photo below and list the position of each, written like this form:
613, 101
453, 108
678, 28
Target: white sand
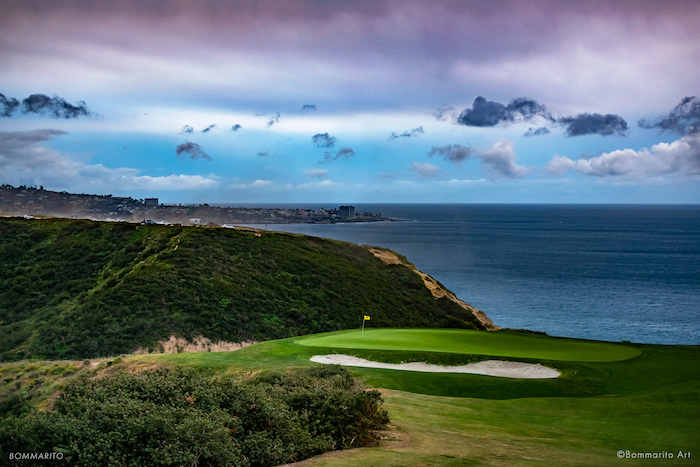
488, 367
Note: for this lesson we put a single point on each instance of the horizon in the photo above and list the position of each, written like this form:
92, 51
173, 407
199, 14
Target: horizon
393, 102
287, 204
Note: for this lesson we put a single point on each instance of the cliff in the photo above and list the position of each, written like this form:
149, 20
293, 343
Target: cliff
436, 288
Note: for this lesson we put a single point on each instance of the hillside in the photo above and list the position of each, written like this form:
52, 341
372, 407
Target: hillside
78, 289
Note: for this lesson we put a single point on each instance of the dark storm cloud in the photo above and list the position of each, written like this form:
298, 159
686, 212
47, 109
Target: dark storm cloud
192, 150
594, 124
309, 107
7, 105
323, 140
440, 113
186, 129
406, 134
274, 119
209, 128
236, 127
537, 132
343, 154
55, 106
452, 152
485, 113
683, 119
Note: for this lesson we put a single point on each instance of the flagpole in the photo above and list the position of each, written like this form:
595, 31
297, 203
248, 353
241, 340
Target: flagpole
363, 327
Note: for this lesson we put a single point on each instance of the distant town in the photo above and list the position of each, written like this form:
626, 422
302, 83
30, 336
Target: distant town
38, 202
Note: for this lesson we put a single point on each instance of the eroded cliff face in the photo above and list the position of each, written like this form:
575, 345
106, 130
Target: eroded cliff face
437, 289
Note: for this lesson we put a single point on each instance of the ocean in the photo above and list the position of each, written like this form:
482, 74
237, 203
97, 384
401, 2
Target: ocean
606, 272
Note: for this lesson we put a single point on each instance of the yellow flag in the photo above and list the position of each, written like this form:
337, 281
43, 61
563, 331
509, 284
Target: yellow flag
366, 317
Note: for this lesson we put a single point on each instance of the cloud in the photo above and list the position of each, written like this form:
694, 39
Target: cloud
321, 184
309, 107
683, 119
407, 134
7, 105
209, 128
323, 140
263, 153
679, 157
236, 127
186, 129
343, 154
25, 161
500, 161
485, 113
55, 106
317, 173
275, 118
594, 124
537, 132
425, 170
193, 150
452, 152
255, 184
439, 114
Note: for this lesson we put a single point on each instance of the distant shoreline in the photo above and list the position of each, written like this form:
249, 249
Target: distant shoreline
26, 201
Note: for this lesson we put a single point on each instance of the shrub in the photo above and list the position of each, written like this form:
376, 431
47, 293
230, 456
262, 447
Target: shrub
174, 416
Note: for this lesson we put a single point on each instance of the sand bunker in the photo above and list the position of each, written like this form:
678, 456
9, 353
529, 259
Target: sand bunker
488, 367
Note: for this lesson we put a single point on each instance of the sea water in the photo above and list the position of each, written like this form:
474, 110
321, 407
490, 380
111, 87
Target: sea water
611, 272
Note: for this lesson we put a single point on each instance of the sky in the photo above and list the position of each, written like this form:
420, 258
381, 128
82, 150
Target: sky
357, 101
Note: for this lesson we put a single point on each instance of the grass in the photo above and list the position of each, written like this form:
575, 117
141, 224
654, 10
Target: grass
477, 343
445, 431
647, 403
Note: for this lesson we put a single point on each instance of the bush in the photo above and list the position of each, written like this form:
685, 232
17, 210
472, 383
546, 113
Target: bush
174, 416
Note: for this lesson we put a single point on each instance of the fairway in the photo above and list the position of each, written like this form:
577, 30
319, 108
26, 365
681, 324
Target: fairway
459, 341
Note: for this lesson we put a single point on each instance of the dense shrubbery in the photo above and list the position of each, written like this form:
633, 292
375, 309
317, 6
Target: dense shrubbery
179, 417
78, 289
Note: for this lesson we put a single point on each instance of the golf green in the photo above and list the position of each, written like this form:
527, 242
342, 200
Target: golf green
497, 344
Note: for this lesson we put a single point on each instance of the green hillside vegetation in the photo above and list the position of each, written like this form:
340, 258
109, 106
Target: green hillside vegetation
74, 289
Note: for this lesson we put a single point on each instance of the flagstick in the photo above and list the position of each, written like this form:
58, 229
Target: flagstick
363, 327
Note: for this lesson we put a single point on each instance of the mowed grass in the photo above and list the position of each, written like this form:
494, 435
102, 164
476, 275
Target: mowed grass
459, 341
648, 403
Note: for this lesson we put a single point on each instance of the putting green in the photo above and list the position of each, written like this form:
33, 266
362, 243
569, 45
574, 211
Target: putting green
475, 343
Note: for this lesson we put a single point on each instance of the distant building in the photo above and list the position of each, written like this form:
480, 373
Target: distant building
346, 212
151, 201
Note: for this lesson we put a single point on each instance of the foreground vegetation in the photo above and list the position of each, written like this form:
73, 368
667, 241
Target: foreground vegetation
648, 402
74, 289
645, 399
174, 416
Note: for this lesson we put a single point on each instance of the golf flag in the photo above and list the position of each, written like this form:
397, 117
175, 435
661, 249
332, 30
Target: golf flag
366, 317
